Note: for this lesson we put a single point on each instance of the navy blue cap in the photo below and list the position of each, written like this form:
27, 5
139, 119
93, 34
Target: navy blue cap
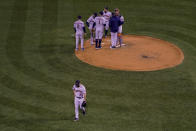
79, 17
95, 14
101, 12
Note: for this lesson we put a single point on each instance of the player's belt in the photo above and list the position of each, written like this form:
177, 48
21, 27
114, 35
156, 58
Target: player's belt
79, 97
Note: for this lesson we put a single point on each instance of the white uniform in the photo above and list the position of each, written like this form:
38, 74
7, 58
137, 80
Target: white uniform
79, 98
119, 39
91, 21
79, 25
99, 27
120, 27
107, 16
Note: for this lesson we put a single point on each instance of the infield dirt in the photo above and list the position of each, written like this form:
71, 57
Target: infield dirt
140, 53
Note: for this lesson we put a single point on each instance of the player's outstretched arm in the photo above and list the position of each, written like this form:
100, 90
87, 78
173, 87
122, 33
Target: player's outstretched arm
85, 97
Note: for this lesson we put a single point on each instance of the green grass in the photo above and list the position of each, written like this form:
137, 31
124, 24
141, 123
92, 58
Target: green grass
38, 68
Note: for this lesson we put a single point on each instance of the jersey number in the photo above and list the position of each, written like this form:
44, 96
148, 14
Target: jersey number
78, 26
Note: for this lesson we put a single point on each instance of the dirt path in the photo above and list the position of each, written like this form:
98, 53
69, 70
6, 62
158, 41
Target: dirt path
141, 53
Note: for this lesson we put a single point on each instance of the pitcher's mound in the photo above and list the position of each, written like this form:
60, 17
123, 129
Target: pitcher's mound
140, 53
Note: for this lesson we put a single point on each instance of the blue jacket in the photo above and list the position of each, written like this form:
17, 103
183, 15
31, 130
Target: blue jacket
114, 23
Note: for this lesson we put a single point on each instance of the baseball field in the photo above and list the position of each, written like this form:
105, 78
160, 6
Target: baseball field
38, 68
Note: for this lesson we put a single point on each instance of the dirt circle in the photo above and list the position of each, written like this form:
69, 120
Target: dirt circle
140, 53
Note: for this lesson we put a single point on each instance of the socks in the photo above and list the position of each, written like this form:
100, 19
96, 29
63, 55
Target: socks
120, 40
106, 32
96, 43
100, 43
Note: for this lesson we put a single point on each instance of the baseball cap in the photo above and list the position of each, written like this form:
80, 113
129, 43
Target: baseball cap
77, 83
95, 14
101, 12
79, 17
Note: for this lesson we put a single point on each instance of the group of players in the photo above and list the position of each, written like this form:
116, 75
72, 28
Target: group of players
97, 23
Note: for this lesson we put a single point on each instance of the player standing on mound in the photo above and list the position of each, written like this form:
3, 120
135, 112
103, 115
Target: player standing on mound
90, 23
114, 25
106, 14
99, 28
79, 98
119, 39
79, 29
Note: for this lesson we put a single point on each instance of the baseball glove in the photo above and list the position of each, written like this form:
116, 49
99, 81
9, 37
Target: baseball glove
84, 104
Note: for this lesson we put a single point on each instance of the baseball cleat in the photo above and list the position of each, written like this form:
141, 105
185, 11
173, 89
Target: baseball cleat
112, 47
82, 49
76, 49
118, 46
76, 119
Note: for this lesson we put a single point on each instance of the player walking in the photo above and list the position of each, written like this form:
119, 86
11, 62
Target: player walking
90, 23
106, 14
79, 98
114, 25
119, 39
99, 28
79, 29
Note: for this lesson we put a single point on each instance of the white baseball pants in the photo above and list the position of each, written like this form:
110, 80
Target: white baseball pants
92, 33
120, 29
114, 38
98, 34
78, 103
106, 25
119, 39
79, 36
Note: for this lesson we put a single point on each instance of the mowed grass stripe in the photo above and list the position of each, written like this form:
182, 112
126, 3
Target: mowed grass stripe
24, 121
15, 43
17, 77
49, 24
51, 48
64, 43
31, 48
165, 19
36, 102
30, 93
26, 100
32, 37
6, 101
29, 125
7, 67
5, 14
55, 46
